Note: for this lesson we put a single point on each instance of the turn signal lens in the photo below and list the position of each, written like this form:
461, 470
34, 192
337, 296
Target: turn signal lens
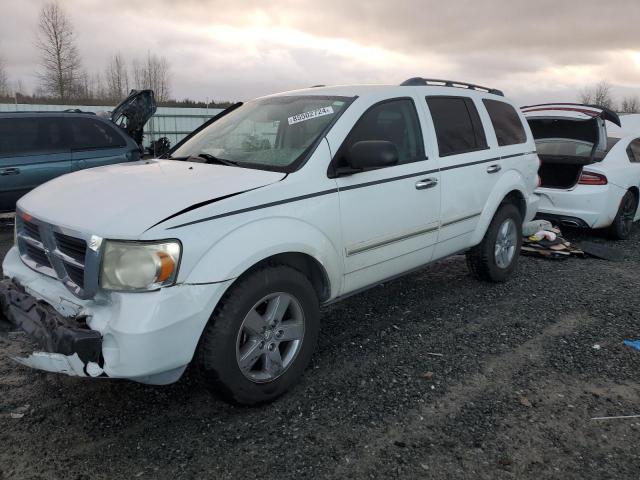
591, 178
167, 266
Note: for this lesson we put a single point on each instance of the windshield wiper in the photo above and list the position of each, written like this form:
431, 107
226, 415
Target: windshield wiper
213, 159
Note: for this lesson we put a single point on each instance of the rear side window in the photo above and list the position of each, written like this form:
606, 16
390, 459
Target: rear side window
633, 150
395, 121
32, 136
506, 123
457, 124
89, 133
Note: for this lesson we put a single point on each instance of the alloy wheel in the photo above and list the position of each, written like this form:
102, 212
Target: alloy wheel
270, 337
506, 243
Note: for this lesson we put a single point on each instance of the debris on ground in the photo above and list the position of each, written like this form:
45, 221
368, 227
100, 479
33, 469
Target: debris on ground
603, 252
427, 375
633, 344
530, 228
546, 241
524, 401
616, 417
16, 413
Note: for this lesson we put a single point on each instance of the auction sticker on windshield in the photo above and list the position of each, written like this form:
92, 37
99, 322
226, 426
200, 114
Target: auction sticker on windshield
301, 117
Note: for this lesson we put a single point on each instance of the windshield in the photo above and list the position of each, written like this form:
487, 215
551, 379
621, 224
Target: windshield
271, 133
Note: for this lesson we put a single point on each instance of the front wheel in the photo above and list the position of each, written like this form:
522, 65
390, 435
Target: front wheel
620, 229
261, 337
496, 257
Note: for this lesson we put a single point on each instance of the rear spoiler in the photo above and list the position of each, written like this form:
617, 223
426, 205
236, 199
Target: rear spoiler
591, 110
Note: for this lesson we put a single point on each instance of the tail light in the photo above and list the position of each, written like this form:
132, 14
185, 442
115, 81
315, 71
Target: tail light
591, 178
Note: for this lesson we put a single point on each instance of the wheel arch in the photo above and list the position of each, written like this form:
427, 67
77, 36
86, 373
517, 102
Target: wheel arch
509, 189
309, 266
516, 197
636, 193
270, 241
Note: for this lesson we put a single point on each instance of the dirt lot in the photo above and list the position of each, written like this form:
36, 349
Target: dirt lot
512, 395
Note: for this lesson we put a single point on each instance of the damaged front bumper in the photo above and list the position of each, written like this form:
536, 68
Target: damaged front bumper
146, 337
68, 344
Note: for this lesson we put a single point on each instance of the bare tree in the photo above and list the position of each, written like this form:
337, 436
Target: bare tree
117, 78
599, 94
630, 104
4, 80
59, 56
153, 73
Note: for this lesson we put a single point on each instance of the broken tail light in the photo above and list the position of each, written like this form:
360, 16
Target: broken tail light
591, 178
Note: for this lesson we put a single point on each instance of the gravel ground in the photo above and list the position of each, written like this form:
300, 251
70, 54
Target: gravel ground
511, 396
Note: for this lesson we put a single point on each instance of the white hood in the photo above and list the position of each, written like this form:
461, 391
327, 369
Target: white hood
124, 200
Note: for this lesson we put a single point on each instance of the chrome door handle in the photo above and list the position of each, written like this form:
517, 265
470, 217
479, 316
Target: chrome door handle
494, 168
426, 183
9, 171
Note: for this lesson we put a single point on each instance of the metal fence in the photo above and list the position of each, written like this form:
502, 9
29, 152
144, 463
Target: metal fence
171, 122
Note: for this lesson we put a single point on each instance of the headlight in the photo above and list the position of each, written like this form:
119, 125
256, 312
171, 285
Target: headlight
139, 265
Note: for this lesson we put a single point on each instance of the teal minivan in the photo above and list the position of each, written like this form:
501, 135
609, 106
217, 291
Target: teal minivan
36, 147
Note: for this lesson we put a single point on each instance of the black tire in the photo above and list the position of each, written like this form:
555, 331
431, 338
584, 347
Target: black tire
481, 259
216, 360
622, 224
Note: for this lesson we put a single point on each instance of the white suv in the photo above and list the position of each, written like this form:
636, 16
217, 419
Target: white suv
222, 254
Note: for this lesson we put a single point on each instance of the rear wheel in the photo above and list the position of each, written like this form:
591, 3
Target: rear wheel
496, 257
261, 337
622, 224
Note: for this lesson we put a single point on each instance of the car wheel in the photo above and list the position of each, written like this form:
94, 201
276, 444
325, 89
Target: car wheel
623, 221
496, 257
261, 337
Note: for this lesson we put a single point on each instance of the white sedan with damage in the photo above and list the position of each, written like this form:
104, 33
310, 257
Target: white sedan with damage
589, 167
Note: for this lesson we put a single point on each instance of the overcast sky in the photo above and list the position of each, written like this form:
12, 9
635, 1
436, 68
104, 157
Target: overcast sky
534, 50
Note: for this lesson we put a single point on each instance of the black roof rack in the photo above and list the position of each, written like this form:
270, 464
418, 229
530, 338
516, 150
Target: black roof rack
419, 81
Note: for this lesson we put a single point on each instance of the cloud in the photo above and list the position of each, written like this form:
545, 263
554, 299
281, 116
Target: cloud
540, 50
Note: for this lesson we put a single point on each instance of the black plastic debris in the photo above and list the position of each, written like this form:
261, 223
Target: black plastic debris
603, 252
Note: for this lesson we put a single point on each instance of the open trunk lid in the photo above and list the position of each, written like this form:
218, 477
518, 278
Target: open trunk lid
134, 112
568, 136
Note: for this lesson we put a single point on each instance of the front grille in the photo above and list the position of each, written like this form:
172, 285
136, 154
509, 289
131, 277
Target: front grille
38, 255
76, 248
32, 230
46, 249
76, 274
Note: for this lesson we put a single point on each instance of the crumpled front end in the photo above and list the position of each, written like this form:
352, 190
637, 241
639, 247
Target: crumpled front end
68, 345
147, 337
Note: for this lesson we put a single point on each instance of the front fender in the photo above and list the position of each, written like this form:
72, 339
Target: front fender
257, 240
509, 181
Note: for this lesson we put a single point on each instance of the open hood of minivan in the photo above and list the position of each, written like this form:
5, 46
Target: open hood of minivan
133, 113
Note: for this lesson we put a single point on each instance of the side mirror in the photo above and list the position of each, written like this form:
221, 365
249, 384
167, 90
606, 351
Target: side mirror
370, 154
